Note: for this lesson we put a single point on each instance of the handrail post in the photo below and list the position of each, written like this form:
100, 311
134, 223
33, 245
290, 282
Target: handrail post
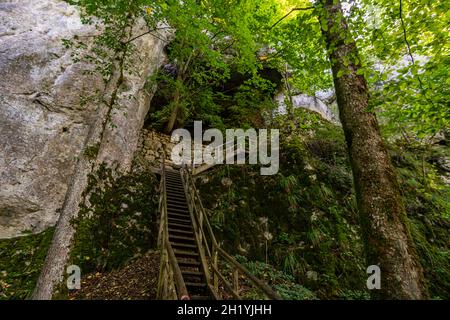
215, 276
236, 280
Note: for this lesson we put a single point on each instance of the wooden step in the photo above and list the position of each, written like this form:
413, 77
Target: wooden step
181, 221
177, 191
196, 284
180, 215
171, 230
185, 253
183, 245
192, 273
194, 279
176, 195
188, 262
175, 176
178, 184
173, 225
179, 210
176, 206
174, 183
174, 190
176, 201
181, 238
174, 180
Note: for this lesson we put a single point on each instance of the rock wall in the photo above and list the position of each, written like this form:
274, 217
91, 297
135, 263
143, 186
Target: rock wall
46, 124
150, 144
323, 104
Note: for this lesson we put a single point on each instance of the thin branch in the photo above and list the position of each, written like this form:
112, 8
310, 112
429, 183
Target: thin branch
288, 14
147, 32
228, 46
410, 52
404, 34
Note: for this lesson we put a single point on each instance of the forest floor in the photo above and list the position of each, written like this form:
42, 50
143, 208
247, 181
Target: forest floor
136, 281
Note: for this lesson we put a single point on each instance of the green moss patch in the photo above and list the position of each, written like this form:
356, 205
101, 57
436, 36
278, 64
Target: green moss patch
118, 221
21, 260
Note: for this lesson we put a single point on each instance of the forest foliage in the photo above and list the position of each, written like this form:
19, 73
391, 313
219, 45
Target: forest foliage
403, 47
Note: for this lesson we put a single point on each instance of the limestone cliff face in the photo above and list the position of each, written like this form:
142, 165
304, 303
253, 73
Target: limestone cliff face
46, 124
323, 104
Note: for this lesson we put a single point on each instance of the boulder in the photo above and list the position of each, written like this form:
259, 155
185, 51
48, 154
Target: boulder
46, 119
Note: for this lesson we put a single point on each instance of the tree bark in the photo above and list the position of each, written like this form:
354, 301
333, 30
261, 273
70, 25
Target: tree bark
383, 216
173, 113
181, 77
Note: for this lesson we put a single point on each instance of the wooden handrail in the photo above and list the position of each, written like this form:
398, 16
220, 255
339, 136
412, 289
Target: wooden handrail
200, 220
179, 280
224, 148
264, 287
226, 283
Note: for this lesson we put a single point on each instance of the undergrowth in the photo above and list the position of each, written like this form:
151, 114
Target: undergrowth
21, 260
304, 220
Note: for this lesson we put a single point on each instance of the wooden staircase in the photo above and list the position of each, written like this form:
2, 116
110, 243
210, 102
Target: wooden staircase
182, 238
190, 265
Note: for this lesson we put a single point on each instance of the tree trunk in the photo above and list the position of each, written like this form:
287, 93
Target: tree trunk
383, 216
53, 270
173, 114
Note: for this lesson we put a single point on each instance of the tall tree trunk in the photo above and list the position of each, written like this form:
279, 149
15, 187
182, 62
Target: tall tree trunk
173, 113
383, 216
181, 77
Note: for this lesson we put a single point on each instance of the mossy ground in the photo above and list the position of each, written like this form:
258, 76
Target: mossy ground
116, 227
21, 260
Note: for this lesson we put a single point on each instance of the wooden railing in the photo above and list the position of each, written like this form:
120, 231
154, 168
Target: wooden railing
171, 284
213, 258
228, 148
